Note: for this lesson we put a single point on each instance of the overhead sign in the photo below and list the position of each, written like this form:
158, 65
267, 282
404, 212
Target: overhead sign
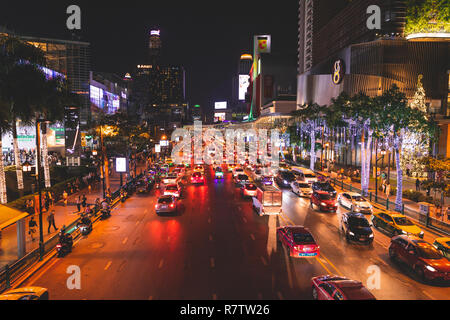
164, 143
121, 165
220, 105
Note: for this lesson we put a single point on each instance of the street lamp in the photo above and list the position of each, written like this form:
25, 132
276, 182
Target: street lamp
26, 166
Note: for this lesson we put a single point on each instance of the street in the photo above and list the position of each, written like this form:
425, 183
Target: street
219, 248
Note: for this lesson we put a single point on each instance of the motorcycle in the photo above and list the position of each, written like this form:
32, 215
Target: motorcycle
106, 213
64, 245
85, 226
123, 196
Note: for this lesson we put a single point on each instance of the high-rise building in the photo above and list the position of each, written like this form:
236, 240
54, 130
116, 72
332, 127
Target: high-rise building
154, 47
240, 83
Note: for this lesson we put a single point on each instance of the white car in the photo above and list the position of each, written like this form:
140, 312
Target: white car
172, 190
237, 171
355, 202
304, 175
170, 179
301, 188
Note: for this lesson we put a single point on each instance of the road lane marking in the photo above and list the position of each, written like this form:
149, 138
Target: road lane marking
428, 295
43, 271
212, 262
245, 220
331, 264
321, 263
380, 243
137, 222
263, 261
161, 263
108, 265
252, 236
125, 240
145, 211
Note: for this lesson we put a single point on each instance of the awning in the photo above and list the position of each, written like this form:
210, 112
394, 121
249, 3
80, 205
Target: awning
9, 216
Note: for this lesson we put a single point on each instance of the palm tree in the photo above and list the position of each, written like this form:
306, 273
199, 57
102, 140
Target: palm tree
20, 85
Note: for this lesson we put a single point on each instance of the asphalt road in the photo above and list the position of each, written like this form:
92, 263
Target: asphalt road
218, 248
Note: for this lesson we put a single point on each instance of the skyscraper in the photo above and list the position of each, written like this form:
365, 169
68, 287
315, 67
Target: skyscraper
154, 47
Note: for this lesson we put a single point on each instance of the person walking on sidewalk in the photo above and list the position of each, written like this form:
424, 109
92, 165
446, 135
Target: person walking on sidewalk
32, 228
79, 204
83, 201
388, 189
51, 220
417, 184
65, 196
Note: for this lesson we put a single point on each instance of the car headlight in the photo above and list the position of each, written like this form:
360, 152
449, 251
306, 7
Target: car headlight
421, 234
323, 204
351, 233
371, 235
431, 268
404, 232
285, 182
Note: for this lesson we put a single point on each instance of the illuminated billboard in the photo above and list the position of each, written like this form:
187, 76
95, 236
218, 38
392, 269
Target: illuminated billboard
121, 165
244, 82
219, 116
263, 43
220, 105
104, 100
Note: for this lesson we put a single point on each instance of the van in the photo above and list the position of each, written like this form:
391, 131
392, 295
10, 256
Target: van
304, 175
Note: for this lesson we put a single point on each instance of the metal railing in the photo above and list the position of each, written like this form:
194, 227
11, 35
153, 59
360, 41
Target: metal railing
12, 272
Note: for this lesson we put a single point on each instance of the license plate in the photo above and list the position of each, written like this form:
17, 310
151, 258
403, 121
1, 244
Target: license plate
163, 207
306, 254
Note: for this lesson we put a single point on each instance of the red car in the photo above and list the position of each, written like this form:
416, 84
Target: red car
324, 201
339, 288
422, 257
299, 241
197, 178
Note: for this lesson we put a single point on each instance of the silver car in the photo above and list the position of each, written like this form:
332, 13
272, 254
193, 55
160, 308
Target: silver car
166, 204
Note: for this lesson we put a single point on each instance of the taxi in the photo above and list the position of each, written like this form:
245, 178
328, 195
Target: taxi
443, 245
26, 293
199, 168
395, 223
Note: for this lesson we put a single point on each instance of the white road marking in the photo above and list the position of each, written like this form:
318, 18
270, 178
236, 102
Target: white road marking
108, 265
145, 211
212, 262
252, 236
137, 222
161, 263
125, 240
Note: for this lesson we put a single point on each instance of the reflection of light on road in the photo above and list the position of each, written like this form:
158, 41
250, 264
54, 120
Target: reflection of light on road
173, 233
155, 232
272, 235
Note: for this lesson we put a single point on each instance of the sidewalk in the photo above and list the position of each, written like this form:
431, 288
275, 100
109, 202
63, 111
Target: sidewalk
64, 215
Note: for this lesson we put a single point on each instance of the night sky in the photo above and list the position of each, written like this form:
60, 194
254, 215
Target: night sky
206, 37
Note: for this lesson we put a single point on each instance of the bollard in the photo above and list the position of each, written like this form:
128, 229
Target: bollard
403, 208
387, 204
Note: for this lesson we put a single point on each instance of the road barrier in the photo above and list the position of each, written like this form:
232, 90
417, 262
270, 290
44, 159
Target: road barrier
12, 272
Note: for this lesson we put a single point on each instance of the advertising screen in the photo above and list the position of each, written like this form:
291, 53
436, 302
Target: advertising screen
121, 164
219, 116
244, 82
220, 105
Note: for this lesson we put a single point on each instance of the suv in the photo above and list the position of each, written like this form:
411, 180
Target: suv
284, 179
324, 186
356, 227
324, 201
426, 261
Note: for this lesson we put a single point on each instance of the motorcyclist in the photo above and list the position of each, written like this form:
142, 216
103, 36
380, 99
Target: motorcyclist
97, 205
63, 236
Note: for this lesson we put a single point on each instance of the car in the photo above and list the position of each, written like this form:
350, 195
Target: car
218, 173
237, 171
231, 167
298, 241
284, 179
169, 161
142, 186
177, 171
331, 287
356, 227
166, 204
301, 188
241, 179
323, 200
172, 189
324, 186
395, 223
26, 293
443, 245
304, 175
197, 178
199, 168
424, 259
170, 179
355, 202
283, 166
267, 180
249, 190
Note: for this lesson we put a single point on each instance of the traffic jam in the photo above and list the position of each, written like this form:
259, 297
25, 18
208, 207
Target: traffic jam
359, 221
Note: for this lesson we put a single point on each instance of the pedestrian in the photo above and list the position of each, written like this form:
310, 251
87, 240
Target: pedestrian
417, 184
65, 196
388, 189
79, 203
83, 201
51, 220
32, 227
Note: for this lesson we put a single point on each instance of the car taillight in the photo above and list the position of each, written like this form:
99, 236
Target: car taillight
58, 246
172, 205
